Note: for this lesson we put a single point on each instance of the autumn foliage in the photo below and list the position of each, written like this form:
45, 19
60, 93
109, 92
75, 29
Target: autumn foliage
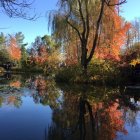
16, 84
111, 120
14, 50
72, 54
112, 37
38, 56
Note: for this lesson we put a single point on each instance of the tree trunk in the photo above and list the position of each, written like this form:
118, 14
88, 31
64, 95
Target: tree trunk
84, 57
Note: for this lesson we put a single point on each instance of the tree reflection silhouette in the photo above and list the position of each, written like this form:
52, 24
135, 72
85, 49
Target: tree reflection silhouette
93, 113
42, 91
83, 103
84, 117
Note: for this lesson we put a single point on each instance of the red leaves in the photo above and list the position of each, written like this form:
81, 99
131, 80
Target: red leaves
40, 56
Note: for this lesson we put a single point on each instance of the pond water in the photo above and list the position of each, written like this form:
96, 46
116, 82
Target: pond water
33, 107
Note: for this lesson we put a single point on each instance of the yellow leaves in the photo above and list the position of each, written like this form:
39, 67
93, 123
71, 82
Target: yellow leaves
1, 70
96, 77
55, 58
134, 62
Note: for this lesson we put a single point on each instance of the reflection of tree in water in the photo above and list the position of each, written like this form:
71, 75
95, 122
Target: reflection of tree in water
130, 107
11, 100
64, 118
76, 111
14, 100
45, 93
42, 91
10, 93
109, 120
16, 84
7, 78
82, 117
130, 117
1, 100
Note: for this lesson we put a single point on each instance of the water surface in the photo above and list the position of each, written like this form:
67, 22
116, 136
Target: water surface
33, 107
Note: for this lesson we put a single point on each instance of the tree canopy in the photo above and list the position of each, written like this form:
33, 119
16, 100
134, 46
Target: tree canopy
83, 19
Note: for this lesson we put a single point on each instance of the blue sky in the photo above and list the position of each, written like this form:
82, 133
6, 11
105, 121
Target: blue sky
31, 29
131, 10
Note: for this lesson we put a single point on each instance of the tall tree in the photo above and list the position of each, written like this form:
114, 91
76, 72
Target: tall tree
83, 17
113, 36
50, 43
38, 51
19, 38
2, 41
4, 56
24, 55
14, 50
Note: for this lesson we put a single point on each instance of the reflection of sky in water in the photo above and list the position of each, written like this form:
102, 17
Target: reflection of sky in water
29, 122
37, 109
132, 125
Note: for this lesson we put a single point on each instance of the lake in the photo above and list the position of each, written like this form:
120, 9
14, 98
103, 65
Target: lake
34, 107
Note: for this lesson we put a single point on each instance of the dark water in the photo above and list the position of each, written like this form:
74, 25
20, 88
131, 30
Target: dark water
35, 108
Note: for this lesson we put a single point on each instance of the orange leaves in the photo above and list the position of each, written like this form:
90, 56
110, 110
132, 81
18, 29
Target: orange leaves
110, 118
14, 50
113, 36
16, 84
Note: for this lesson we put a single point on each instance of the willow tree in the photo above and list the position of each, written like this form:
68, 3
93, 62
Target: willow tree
81, 18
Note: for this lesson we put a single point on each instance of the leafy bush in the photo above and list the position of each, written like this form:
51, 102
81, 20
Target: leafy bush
68, 74
105, 73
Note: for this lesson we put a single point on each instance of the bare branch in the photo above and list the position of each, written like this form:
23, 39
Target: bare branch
17, 9
96, 32
75, 29
87, 21
108, 2
82, 17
